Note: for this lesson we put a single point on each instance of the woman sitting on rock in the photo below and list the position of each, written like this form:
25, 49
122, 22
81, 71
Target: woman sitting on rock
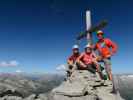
87, 61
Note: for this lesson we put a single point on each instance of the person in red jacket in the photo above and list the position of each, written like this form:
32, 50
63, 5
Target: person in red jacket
72, 60
88, 61
106, 49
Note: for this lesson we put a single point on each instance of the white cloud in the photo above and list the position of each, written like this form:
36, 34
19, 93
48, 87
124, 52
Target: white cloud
61, 67
130, 76
12, 63
19, 71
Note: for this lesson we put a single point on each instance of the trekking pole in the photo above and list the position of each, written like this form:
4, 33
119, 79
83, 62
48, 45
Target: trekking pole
72, 71
98, 67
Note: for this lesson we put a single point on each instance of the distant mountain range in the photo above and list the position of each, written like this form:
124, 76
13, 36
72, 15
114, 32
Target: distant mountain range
27, 84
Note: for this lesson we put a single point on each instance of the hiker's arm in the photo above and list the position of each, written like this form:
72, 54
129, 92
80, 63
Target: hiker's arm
94, 47
74, 67
97, 65
79, 61
113, 46
70, 61
98, 58
95, 61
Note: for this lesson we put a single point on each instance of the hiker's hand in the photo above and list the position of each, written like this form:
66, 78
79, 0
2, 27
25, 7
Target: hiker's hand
84, 65
112, 53
70, 62
99, 58
109, 55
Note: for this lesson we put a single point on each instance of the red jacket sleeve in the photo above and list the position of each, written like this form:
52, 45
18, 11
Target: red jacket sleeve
70, 58
112, 45
94, 55
81, 56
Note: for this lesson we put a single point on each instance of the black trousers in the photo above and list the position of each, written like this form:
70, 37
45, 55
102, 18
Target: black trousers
90, 67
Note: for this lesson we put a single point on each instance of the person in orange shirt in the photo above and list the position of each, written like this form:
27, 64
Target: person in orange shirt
106, 49
72, 60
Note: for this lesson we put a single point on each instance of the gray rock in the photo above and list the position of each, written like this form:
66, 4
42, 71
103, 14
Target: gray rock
83, 85
31, 97
61, 97
43, 97
11, 98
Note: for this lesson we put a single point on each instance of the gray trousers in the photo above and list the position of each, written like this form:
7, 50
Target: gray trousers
107, 63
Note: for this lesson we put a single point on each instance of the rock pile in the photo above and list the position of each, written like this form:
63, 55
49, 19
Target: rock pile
84, 85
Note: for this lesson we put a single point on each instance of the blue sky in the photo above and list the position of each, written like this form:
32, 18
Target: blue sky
37, 35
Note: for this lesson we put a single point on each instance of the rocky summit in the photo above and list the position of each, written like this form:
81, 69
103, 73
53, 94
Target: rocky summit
84, 85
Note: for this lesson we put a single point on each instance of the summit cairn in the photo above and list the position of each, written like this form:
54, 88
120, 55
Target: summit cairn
84, 85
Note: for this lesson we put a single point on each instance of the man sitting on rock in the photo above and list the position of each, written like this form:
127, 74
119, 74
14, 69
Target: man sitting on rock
72, 60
